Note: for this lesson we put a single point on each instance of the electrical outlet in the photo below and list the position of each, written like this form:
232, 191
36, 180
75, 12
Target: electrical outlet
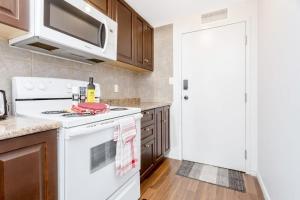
116, 88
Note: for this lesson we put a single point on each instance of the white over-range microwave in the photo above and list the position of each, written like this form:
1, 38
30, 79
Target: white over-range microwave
71, 29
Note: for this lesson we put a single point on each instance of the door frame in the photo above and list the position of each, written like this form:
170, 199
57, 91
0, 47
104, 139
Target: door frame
251, 79
246, 74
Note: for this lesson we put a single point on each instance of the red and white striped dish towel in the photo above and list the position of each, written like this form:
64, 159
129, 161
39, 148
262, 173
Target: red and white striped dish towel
126, 153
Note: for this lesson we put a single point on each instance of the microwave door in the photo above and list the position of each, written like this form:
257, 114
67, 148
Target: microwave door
62, 16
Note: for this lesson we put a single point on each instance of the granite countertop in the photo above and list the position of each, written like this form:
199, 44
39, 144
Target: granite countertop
152, 105
20, 126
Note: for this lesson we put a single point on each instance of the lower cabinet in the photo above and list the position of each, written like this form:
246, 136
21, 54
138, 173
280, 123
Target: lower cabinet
28, 167
147, 155
155, 137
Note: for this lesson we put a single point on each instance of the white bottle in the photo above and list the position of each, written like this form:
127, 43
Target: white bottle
75, 96
97, 94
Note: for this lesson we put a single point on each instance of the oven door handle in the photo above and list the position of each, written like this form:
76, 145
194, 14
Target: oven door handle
95, 128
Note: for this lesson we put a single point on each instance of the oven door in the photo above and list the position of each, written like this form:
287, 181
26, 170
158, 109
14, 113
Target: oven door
90, 162
63, 16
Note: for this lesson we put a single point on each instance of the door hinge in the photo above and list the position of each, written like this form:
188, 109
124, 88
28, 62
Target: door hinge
246, 154
246, 97
246, 40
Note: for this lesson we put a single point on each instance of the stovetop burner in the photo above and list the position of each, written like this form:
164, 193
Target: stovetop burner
77, 114
118, 109
55, 112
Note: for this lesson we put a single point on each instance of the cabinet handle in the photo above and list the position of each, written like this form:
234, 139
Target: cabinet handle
148, 129
148, 113
146, 60
147, 146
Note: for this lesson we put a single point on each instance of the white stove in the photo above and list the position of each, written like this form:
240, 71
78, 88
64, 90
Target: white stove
86, 148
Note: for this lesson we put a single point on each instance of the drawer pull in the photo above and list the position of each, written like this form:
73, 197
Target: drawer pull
147, 146
147, 129
148, 113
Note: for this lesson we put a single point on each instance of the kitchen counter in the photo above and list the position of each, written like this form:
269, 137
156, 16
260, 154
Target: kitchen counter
152, 105
19, 126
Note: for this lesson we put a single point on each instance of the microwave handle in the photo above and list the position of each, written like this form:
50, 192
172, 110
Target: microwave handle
90, 129
100, 30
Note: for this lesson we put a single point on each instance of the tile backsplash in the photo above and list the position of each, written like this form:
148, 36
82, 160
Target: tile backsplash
148, 86
16, 62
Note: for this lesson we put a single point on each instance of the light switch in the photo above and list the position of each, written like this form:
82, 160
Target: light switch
171, 80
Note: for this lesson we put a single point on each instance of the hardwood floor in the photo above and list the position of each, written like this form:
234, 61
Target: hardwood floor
164, 184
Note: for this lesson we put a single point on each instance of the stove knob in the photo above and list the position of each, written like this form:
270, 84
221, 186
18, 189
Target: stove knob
69, 86
42, 87
29, 86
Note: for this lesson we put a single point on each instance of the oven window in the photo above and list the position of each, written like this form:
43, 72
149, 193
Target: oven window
102, 155
63, 17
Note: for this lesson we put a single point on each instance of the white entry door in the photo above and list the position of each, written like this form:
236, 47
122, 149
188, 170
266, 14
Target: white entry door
213, 101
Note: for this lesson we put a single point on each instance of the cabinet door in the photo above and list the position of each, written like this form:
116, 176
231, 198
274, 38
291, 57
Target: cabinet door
28, 167
166, 128
147, 156
15, 13
139, 28
148, 47
159, 135
125, 20
103, 6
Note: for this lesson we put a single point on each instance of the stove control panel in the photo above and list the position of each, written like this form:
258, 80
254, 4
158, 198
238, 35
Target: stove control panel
38, 87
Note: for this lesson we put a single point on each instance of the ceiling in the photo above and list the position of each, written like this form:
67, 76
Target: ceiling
162, 12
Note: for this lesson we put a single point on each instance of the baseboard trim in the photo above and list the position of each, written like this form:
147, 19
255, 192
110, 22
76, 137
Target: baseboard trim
263, 187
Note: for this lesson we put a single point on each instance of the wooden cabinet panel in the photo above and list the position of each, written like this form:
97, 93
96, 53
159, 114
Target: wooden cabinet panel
148, 47
139, 41
166, 128
125, 20
15, 13
105, 6
148, 118
147, 156
135, 36
28, 167
159, 135
159, 132
148, 131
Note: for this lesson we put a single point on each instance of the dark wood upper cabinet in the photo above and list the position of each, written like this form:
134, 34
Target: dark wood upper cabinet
148, 47
125, 20
15, 13
135, 36
105, 6
28, 167
139, 28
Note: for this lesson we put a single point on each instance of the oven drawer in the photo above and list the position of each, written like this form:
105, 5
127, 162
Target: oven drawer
148, 118
147, 131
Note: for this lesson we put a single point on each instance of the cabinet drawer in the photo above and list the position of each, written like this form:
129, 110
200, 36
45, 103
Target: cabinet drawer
148, 118
147, 131
147, 156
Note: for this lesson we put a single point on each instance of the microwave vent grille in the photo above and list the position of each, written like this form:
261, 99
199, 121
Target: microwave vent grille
214, 16
43, 46
95, 60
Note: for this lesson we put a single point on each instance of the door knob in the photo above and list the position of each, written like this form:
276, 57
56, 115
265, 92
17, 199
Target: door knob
186, 97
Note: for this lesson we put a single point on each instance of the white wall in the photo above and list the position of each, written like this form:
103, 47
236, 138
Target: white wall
244, 11
279, 98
